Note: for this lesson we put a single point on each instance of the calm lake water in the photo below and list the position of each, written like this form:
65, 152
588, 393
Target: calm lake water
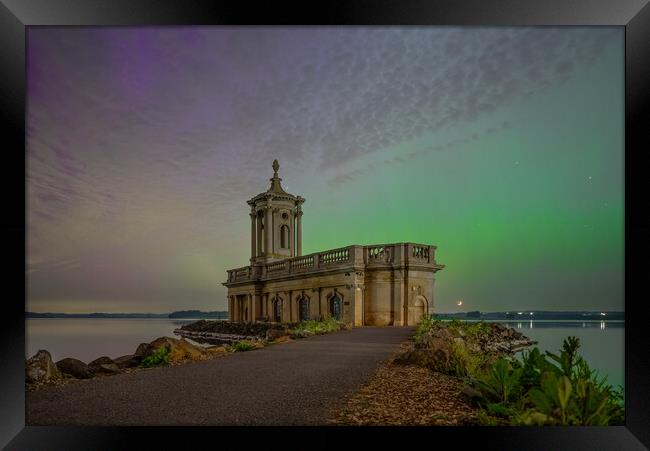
89, 338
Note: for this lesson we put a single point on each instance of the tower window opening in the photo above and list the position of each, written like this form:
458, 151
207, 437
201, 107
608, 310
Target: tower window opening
284, 237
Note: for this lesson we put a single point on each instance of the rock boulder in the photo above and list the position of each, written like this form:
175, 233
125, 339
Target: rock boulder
179, 350
41, 368
108, 368
104, 360
144, 350
75, 368
127, 361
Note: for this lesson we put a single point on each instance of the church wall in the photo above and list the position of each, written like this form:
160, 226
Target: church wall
372, 295
420, 284
378, 308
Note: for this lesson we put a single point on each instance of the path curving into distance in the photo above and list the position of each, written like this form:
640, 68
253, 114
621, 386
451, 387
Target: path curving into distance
294, 383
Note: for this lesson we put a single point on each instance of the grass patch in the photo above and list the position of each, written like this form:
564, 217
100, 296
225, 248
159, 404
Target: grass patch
159, 357
313, 327
240, 346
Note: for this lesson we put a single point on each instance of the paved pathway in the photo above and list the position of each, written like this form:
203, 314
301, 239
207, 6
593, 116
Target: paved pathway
295, 383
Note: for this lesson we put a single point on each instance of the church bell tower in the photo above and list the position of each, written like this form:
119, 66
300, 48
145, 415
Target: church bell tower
276, 231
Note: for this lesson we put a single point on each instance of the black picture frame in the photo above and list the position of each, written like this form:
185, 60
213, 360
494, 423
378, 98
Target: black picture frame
634, 15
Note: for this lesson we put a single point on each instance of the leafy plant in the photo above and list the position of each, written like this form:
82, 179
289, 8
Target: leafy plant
240, 346
463, 362
501, 383
534, 365
159, 357
568, 358
563, 391
424, 326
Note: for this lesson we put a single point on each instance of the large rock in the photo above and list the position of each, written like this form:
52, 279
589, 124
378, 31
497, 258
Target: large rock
41, 368
144, 350
179, 350
75, 368
108, 368
256, 330
440, 350
104, 365
127, 361
104, 360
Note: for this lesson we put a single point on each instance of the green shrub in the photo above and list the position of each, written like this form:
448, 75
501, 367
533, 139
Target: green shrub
534, 365
463, 362
424, 326
159, 357
501, 383
560, 391
240, 346
323, 326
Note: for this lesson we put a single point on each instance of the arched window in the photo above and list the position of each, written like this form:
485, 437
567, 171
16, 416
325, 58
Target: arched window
303, 309
284, 237
335, 307
277, 310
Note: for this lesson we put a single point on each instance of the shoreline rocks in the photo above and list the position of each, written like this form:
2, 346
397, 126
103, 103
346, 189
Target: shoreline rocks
75, 368
446, 345
40, 368
103, 365
227, 332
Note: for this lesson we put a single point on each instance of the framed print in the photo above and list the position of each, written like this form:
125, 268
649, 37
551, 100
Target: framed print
374, 218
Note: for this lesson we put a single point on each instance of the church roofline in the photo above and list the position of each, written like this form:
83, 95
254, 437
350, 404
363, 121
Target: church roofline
372, 256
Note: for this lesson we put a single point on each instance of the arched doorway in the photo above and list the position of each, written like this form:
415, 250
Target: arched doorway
277, 310
335, 307
417, 310
303, 308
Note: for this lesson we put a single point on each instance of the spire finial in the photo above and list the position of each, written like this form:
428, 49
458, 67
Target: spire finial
276, 166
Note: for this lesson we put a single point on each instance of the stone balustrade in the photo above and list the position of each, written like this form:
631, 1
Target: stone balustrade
371, 255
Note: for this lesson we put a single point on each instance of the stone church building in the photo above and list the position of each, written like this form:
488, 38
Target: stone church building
373, 285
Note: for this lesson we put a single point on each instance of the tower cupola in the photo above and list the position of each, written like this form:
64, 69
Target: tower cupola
276, 231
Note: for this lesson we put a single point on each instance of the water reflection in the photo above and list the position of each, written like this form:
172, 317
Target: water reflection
540, 324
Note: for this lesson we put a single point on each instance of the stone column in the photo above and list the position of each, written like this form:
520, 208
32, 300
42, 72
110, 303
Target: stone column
400, 286
358, 305
290, 305
235, 309
298, 232
253, 235
255, 307
320, 303
268, 230
258, 227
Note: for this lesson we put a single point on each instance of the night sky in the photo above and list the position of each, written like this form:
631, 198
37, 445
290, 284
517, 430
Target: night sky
504, 147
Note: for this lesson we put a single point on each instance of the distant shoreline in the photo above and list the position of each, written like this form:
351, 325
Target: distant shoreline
184, 314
